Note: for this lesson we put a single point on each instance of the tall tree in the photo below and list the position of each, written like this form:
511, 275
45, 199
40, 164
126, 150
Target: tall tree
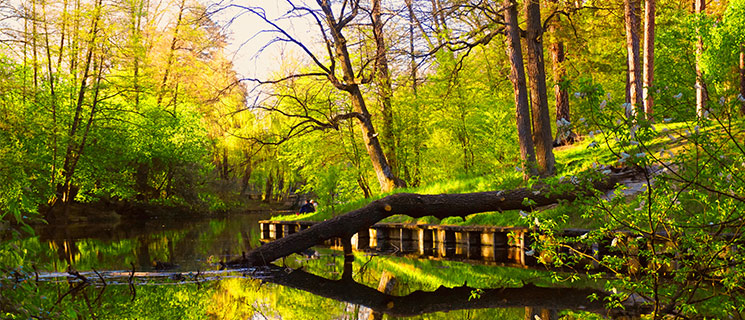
75, 146
542, 139
563, 134
517, 76
385, 90
742, 80
701, 93
649, 25
332, 29
634, 75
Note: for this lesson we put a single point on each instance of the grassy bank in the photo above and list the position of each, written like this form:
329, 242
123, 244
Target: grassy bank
587, 154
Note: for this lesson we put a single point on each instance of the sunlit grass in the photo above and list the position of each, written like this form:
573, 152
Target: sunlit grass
571, 161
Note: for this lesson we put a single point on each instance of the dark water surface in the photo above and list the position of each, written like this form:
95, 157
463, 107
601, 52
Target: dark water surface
178, 276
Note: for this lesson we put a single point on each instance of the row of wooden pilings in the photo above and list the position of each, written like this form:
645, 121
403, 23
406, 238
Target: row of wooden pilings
483, 244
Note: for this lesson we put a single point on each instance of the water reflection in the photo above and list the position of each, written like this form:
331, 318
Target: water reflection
149, 244
176, 276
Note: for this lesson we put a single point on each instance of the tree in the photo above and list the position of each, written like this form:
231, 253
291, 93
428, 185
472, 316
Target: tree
564, 132
538, 97
634, 69
742, 79
385, 90
649, 25
332, 29
517, 76
701, 93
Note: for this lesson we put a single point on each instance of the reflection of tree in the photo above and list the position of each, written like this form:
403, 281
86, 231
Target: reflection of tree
445, 299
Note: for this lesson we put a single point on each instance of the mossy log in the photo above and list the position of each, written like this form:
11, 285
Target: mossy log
421, 205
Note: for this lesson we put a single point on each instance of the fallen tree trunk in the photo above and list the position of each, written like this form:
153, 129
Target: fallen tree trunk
448, 299
420, 205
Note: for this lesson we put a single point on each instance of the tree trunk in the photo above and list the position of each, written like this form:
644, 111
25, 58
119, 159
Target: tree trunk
171, 53
517, 75
631, 15
246, 173
225, 166
701, 94
64, 190
412, 56
268, 188
542, 139
564, 134
649, 25
385, 91
388, 181
742, 80
417, 206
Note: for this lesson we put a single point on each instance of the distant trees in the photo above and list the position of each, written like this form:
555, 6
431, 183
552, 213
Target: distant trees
118, 92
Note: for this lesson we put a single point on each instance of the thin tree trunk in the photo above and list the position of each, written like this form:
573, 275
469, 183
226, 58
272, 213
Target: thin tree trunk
517, 75
224, 173
171, 54
34, 46
246, 172
269, 187
701, 94
542, 139
137, 7
631, 15
649, 25
68, 168
53, 94
412, 56
742, 80
564, 134
385, 91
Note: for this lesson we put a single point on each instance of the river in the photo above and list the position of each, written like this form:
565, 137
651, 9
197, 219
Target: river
169, 268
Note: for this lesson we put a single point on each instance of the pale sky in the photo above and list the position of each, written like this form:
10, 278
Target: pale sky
247, 38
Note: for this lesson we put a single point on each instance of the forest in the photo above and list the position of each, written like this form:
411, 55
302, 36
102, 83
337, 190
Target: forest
623, 117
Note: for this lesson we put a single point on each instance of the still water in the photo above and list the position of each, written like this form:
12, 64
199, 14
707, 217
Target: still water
170, 268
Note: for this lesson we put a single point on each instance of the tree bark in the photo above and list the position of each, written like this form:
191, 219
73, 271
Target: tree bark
385, 91
417, 206
563, 135
649, 25
631, 16
701, 94
517, 75
742, 80
446, 299
542, 139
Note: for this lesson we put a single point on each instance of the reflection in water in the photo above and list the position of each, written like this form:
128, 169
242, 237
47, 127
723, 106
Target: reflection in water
183, 244
319, 284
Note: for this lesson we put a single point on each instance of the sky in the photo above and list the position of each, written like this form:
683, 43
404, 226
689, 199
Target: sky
248, 38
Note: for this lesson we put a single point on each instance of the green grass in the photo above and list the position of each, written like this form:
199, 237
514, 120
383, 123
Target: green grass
571, 160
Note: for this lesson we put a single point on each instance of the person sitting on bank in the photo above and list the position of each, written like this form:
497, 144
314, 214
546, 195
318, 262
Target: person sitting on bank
307, 207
